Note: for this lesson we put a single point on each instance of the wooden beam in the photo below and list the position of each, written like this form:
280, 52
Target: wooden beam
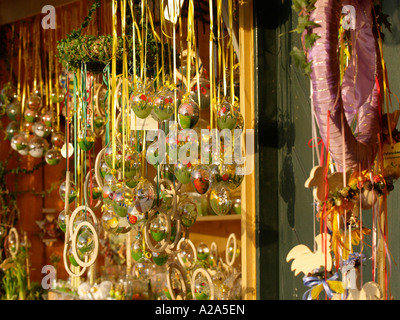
12, 11
248, 237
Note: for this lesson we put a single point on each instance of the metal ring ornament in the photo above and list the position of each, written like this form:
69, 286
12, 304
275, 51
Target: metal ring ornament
179, 255
172, 192
173, 266
209, 280
97, 163
97, 91
14, 232
74, 235
91, 258
86, 189
230, 262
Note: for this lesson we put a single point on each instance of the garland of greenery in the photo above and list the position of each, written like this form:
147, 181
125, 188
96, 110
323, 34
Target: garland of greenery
305, 26
96, 51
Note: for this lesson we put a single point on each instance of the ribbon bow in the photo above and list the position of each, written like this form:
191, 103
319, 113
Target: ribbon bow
317, 284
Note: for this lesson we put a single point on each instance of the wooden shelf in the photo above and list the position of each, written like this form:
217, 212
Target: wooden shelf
219, 218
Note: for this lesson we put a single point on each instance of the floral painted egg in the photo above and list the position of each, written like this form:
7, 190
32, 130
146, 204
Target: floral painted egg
141, 103
84, 242
227, 115
220, 199
135, 218
61, 220
145, 194
201, 178
122, 200
137, 250
183, 172
163, 105
188, 114
204, 91
132, 169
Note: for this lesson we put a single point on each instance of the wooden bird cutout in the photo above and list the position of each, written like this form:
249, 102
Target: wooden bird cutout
306, 261
317, 180
369, 291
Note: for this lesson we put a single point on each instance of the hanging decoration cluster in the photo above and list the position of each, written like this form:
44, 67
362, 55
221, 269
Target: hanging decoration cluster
358, 159
153, 107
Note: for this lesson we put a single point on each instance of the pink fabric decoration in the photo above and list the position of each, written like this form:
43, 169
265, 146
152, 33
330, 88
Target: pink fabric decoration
358, 96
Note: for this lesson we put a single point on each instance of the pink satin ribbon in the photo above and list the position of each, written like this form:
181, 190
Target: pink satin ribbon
358, 95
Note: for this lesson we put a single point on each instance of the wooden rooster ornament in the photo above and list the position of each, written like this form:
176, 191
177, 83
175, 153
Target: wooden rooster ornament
306, 261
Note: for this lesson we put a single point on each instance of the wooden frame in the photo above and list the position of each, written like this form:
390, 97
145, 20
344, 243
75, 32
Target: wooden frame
248, 196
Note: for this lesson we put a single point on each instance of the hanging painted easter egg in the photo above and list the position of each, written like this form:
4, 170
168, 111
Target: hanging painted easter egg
163, 105
160, 258
12, 129
85, 242
141, 103
53, 156
158, 228
38, 147
40, 129
72, 191
227, 115
201, 288
132, 170
183, 172
188, 114
61, 220
137, 250
145, 194
204, 91
34, 102
13, 110
48, 118
187, 212
58, 139
135, 218
203, 252
110, 221
31, 115
201, 178
122, 200
86, 139
19, 142
56, 95
220, 199
108, 156
143, 269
